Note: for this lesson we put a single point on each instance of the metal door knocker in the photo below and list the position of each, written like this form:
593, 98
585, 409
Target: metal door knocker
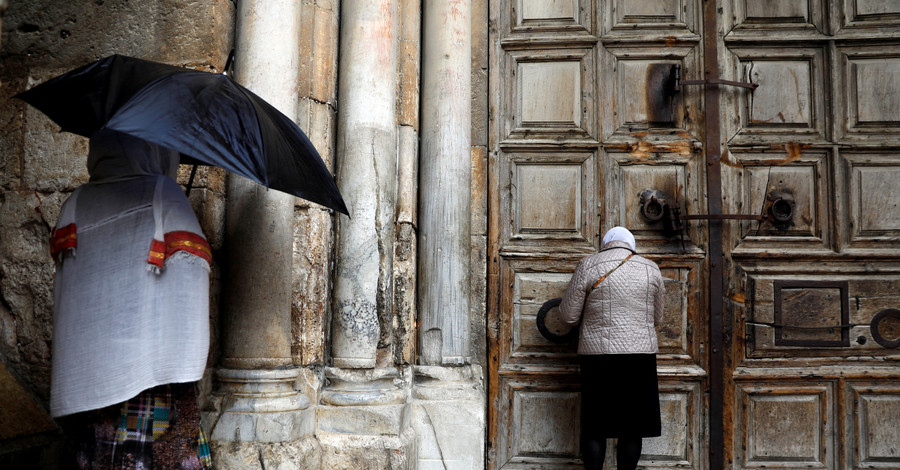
885, 331
549, 325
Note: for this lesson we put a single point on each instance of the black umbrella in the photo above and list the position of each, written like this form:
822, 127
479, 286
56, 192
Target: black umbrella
206, 116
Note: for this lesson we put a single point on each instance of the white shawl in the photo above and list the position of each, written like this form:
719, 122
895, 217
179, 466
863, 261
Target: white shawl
118, 327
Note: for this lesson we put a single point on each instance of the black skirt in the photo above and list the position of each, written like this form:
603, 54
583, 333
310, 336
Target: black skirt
619, 396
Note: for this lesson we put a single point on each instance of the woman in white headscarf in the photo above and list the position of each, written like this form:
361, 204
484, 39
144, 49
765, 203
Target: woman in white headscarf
617, 296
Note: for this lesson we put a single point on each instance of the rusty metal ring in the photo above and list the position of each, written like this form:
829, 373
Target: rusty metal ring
782, 210
542, 327
876, 334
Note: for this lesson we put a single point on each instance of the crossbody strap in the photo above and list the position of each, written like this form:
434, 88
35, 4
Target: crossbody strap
608, 273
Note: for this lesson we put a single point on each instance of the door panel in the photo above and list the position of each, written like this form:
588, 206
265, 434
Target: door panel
786, 426
683, 434
547, 200
871, 430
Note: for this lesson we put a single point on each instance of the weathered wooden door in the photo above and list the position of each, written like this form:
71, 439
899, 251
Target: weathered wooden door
776, 344
584, 121
812, 378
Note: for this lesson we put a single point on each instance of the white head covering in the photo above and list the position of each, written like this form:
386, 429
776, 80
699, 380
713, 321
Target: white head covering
620, 234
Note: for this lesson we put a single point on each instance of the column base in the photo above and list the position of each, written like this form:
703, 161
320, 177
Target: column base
258, 405
448, 416
367, 402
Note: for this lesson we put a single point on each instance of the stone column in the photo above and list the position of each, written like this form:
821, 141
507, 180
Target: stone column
444, 190
367, 175
258, 400
362, 413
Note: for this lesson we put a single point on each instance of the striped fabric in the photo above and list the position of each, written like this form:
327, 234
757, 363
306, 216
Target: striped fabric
203, 451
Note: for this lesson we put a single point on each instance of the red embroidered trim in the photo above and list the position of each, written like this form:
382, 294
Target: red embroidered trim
179, 241
190, 242
157, 254
62, 239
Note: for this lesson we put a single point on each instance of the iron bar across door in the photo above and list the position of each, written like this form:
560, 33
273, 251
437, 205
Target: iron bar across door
714, 251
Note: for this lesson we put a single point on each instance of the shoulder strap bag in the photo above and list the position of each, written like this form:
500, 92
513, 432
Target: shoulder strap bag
603, 278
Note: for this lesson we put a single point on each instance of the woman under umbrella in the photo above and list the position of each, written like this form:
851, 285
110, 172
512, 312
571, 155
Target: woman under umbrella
131, 310
618, 297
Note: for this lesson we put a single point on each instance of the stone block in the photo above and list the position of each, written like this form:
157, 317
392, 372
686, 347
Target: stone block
67, 34
54, 161
369, 452
318, 52
324, 49
317, 120
365, 420
448, 416
456, 430
13, 77
235, 456
210, 209
480, 86
26, 287
305, 454
262, 427
310, 279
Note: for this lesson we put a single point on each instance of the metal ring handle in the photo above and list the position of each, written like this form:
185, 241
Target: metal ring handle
542, 327
876, 333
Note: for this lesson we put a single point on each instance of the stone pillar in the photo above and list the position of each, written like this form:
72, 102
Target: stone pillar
258, 402
362, 416
367, 175
445, 176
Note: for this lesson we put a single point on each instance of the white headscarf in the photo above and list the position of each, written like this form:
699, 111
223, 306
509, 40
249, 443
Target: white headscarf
620, 234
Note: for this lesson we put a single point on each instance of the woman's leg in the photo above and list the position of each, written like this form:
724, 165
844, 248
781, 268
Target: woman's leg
593, 452
628, 452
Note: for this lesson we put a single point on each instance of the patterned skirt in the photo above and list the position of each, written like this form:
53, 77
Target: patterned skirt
619, 396
160, 428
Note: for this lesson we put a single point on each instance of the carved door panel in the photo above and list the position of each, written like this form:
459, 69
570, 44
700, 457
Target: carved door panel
814, 381
584, 121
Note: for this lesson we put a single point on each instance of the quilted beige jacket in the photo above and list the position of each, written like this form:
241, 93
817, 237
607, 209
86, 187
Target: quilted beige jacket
620, 316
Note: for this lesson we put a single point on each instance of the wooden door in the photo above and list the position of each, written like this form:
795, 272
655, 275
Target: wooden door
584, 121
813, 379
778, 348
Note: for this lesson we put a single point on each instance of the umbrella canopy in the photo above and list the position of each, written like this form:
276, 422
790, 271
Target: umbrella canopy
206, 116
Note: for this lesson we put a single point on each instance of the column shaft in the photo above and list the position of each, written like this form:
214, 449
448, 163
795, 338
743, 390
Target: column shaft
367, 175
259, 222
445, 188
256, 393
